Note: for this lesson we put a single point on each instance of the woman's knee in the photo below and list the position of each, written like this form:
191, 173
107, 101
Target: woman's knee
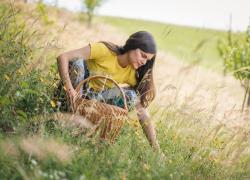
77, 71
131, 98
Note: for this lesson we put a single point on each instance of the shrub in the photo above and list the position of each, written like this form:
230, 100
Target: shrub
25, 91
236, 56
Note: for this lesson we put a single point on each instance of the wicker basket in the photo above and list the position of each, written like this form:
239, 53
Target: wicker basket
108, 119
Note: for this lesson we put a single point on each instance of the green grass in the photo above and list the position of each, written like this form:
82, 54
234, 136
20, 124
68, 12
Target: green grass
193, 151
186, 43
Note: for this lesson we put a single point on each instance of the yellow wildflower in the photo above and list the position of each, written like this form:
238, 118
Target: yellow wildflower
53, 103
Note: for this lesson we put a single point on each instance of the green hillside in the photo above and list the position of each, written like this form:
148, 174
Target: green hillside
193, 45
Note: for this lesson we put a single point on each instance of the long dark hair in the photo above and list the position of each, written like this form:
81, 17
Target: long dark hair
144, 74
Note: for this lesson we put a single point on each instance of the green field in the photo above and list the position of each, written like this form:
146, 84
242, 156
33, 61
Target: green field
193, 45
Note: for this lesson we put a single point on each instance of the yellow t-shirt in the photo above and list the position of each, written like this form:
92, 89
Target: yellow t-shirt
103, 61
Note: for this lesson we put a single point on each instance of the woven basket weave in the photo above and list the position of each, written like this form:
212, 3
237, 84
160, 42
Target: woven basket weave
108, 119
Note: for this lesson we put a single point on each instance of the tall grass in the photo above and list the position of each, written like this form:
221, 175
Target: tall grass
195, 143
194, 148
24, 89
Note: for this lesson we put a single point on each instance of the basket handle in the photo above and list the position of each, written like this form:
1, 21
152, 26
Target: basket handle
78, 87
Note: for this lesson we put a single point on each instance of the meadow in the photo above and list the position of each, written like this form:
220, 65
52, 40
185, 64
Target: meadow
37, 142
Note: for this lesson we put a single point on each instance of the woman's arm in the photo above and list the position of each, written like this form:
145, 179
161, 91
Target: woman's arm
63, 66
147, 126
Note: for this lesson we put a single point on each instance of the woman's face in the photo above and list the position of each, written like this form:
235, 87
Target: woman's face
138, 58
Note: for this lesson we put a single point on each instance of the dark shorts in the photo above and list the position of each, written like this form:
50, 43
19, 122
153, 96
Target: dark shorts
78, 71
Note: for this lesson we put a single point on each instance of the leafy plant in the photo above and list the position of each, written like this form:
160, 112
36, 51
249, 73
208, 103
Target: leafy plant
236, 56
23, 89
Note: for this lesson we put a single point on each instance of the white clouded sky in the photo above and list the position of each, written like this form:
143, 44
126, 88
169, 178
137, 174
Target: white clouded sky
202, 13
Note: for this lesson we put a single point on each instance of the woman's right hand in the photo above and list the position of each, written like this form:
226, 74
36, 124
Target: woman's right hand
71, 95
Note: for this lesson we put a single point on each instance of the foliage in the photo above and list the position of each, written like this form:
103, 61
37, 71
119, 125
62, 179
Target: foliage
23, 91
42, 10
236, 56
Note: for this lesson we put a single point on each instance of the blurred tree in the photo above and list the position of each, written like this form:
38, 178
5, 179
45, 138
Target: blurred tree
90, 6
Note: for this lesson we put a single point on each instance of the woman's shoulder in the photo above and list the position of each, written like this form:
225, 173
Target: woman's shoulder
97, 45
98, 49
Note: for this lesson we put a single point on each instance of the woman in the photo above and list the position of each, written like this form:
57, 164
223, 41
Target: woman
131, 64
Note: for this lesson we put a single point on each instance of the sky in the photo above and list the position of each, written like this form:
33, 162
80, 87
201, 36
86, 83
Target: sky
213, 14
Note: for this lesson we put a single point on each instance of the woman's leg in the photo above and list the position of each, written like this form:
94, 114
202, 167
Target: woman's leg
77, 71
113, 96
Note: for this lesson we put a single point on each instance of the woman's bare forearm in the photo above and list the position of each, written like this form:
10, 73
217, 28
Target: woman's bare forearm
150, 133
147, 126
63, 64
